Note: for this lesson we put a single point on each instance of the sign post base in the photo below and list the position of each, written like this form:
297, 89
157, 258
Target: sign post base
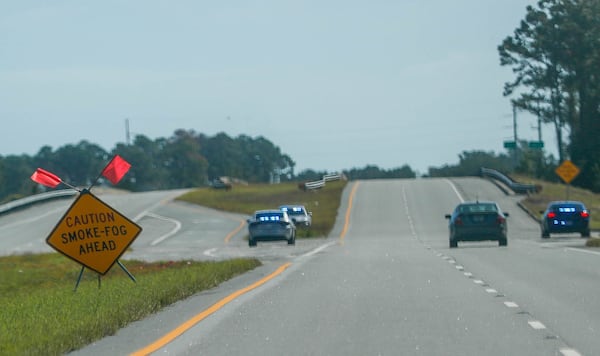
100, 277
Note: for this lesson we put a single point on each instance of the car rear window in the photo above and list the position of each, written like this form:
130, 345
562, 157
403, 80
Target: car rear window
295, 210
567, 208
269, 217
478, 208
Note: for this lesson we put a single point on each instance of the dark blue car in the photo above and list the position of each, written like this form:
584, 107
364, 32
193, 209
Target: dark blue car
477, 221
565, 217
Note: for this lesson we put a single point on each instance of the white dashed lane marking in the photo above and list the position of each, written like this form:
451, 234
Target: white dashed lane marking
569, 352
536, 325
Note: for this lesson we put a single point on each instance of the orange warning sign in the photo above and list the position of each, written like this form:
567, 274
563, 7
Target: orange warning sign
92, 233
567, 171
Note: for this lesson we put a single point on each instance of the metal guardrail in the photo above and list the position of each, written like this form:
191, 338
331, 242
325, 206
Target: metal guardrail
21, 203
332, 176
318, 184
519, 188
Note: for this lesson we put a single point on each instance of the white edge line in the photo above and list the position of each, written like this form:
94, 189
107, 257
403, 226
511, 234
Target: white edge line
318, 249
170, 233
455, 190
210, 252
582, 250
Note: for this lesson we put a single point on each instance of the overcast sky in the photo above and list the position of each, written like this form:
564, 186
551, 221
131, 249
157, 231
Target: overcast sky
334, 84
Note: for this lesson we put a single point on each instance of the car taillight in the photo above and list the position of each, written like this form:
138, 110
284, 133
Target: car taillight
585, 214
458, 221
551, 215
500, 219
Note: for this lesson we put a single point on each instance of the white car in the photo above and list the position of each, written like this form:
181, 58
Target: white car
299, 215
269, 225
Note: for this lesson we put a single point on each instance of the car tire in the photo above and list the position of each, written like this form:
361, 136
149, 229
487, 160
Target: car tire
251, 243
585, 233
292, 241
453, 244
545, 234
502, 242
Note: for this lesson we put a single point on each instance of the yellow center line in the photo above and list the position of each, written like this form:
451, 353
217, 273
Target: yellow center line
204, 314
231, 234
348, 211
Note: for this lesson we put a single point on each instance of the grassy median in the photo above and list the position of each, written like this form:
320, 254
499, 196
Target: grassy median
245, 199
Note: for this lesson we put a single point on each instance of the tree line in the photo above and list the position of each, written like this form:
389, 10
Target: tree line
184, 160
555, 56
188, 159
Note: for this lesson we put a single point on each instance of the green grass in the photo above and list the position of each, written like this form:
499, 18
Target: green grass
535, 203
43, 315
323, 203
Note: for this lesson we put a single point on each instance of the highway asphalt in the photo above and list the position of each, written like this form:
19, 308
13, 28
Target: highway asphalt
384, 282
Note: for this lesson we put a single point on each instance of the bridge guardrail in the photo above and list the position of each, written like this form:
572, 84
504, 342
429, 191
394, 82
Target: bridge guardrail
23, 202
519, 188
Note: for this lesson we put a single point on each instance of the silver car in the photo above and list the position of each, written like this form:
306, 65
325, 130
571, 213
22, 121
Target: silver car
271, 225
299, 215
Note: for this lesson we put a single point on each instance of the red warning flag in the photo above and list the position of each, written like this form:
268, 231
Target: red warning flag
116, 169
45, 178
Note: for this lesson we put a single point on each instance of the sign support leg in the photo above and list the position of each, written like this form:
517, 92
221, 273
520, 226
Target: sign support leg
126, 271
79, 278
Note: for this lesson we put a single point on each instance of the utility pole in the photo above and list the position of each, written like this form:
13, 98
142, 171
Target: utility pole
516, 152
537, 146
515, 123
127, 137
539, 128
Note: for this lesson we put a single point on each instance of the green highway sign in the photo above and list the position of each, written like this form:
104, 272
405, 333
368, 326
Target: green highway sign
536, 144
510, 144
